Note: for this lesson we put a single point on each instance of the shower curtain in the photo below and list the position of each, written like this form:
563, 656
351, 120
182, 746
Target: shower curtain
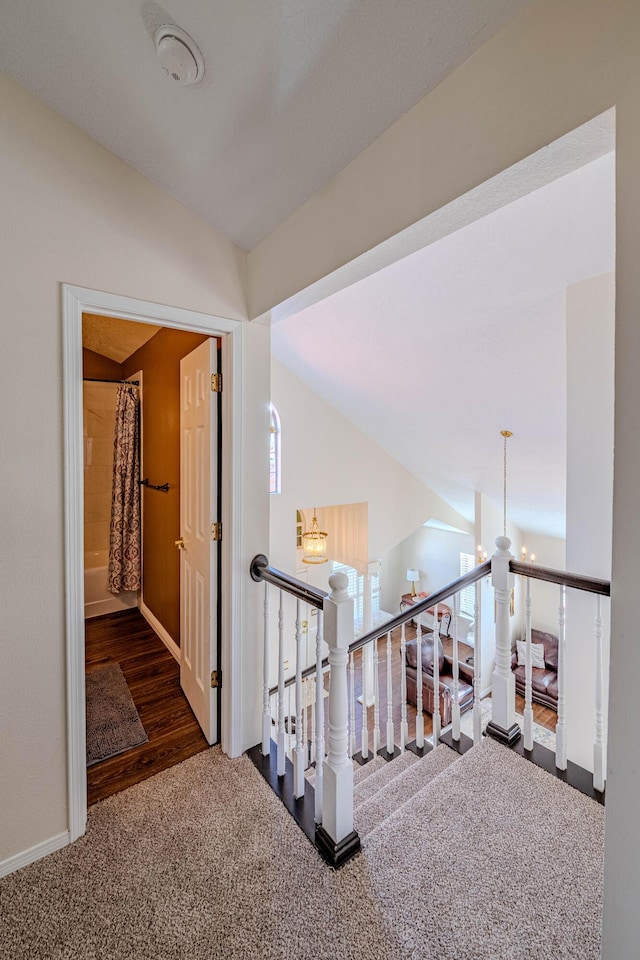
124, 543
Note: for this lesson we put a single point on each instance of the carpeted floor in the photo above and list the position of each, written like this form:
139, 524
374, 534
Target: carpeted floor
491, 860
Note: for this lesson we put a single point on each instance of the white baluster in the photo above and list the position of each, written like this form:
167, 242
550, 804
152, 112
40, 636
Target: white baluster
298, 756
376, 701
503, 726
266, 704
455, 708
390, 736
477, 666
404, 725
436, 717
561, 731
352, 700
336, 838
305, 724
290, 734
319, 718
528, 675
281, 734
598, 745
419, 713
364, 740
312, 749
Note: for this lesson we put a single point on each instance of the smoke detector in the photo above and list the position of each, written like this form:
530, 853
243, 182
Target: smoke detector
179, 55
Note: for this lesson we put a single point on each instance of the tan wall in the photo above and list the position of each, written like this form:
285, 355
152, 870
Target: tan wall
159, 360
95, 365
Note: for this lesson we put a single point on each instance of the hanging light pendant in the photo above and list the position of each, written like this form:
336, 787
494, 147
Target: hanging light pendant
314, 543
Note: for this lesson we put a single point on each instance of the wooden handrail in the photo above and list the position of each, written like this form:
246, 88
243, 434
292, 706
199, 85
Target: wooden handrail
260, 570
574, 580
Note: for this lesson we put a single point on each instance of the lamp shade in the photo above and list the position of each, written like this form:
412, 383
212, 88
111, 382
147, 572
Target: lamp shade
413, 575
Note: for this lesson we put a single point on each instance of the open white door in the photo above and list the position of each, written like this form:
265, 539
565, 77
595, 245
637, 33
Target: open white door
199, 536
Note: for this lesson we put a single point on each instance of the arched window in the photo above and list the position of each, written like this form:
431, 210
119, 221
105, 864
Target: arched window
274, 450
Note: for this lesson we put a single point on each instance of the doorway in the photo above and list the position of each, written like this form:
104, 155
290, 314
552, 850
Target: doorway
142, 693
76, 302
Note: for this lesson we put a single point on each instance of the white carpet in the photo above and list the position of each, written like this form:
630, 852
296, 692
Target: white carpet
491, 860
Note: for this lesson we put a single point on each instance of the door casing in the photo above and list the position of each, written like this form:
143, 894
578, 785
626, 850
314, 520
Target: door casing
76, 301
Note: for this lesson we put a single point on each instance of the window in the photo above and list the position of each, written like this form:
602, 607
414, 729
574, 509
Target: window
355, 590
468, 595
299, 529
274, 450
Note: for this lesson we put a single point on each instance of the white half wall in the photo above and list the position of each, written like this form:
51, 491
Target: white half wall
590, 400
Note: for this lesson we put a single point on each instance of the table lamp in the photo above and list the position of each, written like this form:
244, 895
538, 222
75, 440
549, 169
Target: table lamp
413, 576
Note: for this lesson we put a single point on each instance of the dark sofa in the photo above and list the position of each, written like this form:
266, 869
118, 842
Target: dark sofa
465, 679
544, 683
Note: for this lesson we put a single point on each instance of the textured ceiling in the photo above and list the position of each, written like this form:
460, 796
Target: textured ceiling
114, 338
293, 91
435, 354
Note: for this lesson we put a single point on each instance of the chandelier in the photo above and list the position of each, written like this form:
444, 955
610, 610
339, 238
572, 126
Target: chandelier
314, 543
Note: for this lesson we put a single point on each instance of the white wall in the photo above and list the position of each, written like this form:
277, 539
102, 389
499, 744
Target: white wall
555, 66
72, 212
435, 553
327, 461
590, 369
549, 552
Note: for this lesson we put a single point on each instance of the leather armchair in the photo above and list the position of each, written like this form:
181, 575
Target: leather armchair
544, 683
465, 679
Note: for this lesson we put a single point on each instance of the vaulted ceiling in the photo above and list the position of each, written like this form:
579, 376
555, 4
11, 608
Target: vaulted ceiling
293, 89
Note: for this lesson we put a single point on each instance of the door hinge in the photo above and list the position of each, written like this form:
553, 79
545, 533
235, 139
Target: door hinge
216, 680
216, 383
216, 530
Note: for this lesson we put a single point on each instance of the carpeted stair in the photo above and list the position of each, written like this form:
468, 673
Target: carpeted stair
397, 789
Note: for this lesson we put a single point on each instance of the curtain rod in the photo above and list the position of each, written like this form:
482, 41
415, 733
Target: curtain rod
134, 383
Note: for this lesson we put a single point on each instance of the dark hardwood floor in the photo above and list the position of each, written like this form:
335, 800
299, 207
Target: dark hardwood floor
153, 677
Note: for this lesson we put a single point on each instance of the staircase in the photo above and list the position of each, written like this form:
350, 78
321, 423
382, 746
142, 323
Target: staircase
483, 855
401, 794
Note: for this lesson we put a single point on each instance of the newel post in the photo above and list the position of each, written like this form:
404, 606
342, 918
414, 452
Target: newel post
336, 839
503, 726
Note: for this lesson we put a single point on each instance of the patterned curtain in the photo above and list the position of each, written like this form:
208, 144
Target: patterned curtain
124, 547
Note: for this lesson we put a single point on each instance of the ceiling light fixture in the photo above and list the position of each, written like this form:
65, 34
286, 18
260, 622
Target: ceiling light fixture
179, 55
314, 543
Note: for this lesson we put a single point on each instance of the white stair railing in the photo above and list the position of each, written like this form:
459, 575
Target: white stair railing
281, 744
437, 716
455, 706
364, 738
404, 725
477, 665
528, 708
390, 735
298, 758
336, 838
376, 699
266, 699
319, 747
352, 703
419, 713
561, 726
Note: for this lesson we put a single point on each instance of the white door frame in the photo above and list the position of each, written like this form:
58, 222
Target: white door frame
76, 301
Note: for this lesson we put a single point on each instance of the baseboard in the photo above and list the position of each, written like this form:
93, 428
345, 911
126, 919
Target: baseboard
40, 850
157, 627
